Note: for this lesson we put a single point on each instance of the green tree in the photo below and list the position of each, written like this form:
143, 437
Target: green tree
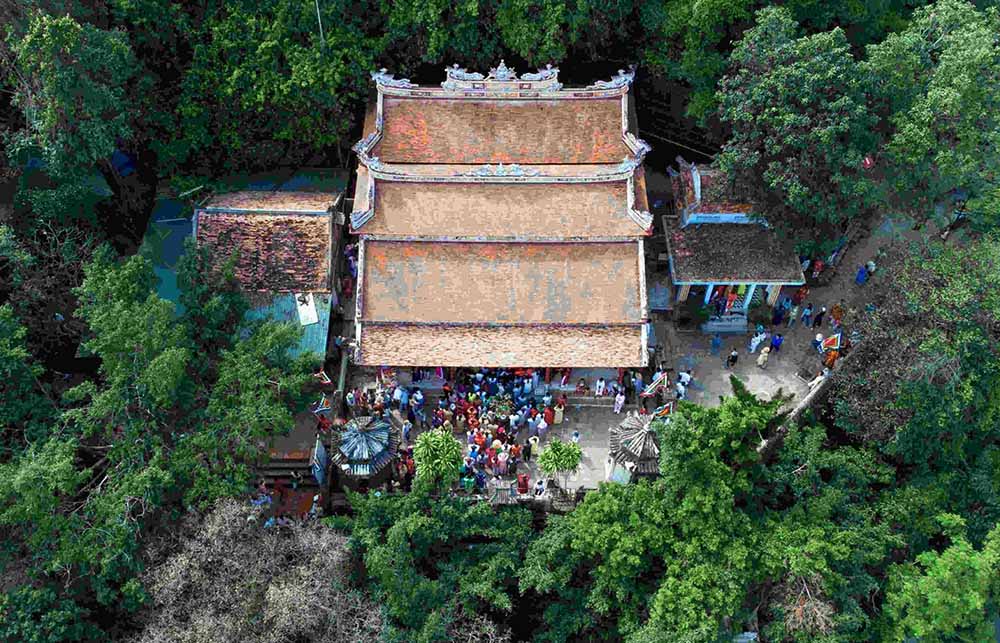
938, 84
73, 91
434, 560
27, 407
560, 459
947, 596
438, 457
800, 125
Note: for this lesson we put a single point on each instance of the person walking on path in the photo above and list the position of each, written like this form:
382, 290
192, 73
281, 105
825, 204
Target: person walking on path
818, 343
765, 353
837, 314
756, 341
862, 276
716, 344
732, 359
793, 316
807, 315
776, 342
818, 321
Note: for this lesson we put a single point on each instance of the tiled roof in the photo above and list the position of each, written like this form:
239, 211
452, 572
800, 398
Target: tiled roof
730, 253
718, 196
443, 130
276, 252
273, 201
501, 282
501, 210
552, 346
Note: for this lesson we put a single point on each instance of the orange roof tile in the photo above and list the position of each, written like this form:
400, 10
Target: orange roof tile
269, 201
501, 210
501, 282
276, 253
732, 252
507, 346
501, 131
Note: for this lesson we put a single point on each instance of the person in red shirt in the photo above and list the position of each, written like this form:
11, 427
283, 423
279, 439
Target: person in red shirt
549, 414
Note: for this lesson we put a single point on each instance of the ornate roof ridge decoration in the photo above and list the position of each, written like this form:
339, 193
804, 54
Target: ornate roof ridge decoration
620, 80
511, 169
383, 78
501, 79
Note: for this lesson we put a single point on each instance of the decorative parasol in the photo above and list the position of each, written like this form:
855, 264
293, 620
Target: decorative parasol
635, 441
367, 445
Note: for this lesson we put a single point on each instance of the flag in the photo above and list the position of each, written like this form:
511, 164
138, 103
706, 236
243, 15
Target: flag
323, 406
664, 410
831, 343
318, 461
657, 383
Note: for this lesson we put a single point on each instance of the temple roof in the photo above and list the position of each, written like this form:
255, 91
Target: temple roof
504, 346
580, 283
282, 238
501, 210
731, 253
501, 131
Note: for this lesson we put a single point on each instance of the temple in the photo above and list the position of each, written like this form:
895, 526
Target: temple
501, 222
721, 250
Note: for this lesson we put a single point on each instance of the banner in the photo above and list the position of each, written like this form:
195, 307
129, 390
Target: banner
318, 462
657, 383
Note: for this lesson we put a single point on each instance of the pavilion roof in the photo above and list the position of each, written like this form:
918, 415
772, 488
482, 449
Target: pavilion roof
634, 440
275, 252
366, 446
731, 253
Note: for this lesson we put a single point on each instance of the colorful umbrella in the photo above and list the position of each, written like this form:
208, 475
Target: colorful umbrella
657, 383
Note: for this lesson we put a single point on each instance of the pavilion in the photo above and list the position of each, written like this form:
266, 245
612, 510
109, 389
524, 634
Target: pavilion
501, 222
718, 246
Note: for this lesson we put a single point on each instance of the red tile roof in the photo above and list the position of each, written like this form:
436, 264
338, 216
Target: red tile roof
441, 130
732, 252
276, 252
501, 282
271, 201
552, 346
501, 210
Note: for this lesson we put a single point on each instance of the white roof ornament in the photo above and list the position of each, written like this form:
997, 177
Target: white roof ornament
502, 72
512, 169
385, 79
501, 80
623, 79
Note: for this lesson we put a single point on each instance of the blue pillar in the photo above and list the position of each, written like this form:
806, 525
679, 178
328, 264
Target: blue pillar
749, 297
708, 292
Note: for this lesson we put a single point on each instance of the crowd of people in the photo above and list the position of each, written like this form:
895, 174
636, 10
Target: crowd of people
795, 310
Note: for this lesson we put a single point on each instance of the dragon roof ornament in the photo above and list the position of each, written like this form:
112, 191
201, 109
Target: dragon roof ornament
385, 79
622, 79
501, 79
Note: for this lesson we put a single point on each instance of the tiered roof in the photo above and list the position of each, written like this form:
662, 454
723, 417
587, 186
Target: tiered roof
282, 239
501, 221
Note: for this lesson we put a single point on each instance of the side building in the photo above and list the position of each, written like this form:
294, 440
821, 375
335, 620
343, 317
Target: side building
721, 251
501, 222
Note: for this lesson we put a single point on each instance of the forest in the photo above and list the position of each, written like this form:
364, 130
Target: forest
130, 427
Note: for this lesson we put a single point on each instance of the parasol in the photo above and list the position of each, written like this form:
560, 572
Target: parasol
635, 441
657, 382
831, 343
367, 445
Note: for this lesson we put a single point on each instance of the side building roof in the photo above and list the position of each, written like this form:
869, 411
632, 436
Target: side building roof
282, 241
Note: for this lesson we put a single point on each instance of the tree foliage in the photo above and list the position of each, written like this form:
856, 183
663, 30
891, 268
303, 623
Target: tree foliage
438, 457
799, 124
437, 560
938, 84
561, 459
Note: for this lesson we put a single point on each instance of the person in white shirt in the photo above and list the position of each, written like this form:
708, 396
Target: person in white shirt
599, 388
685, 378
